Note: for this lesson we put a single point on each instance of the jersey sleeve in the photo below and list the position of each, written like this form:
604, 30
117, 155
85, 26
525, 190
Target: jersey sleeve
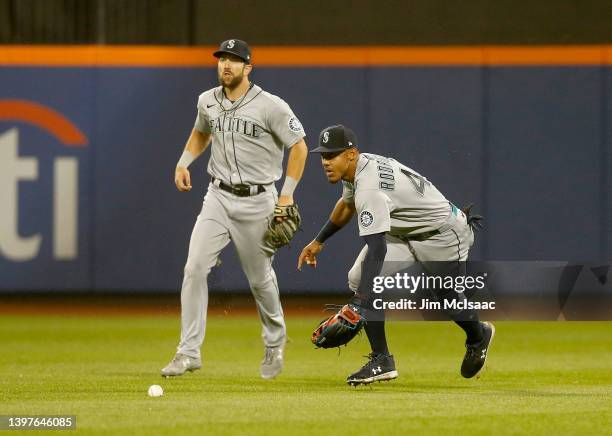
373, 212
348, 192
284, 124
202, 123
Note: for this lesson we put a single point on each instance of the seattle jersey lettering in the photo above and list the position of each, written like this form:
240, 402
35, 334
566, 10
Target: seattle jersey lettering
236, 125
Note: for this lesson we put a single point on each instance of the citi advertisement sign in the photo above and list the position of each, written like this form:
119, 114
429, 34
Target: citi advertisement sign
42, 173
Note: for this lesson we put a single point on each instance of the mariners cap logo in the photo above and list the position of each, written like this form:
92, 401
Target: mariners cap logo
335, 139
236, 47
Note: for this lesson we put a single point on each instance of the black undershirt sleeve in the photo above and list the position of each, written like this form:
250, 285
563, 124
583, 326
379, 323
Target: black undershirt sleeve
326, 231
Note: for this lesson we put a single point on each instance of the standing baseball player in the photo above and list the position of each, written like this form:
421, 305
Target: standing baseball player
403, 220
250, 129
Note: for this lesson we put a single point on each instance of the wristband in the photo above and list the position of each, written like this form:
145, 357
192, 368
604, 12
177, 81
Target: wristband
328, 229
289, 186
186, 159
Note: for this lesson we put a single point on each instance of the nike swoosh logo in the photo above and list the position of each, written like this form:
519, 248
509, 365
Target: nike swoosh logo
208, 106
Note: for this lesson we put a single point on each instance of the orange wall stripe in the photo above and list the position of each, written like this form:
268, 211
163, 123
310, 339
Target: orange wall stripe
93, 56
43, 117
300, 56
570, 55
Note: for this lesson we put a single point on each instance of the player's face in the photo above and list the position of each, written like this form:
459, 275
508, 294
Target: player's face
335, 165
231, 70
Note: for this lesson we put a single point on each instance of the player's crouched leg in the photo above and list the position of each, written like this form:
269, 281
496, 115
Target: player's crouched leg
354, 276
476, 354
479, 334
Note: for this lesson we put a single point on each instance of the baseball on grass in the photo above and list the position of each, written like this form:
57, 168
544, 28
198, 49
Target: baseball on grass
155, 391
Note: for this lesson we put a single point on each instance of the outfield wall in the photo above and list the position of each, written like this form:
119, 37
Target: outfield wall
89, 138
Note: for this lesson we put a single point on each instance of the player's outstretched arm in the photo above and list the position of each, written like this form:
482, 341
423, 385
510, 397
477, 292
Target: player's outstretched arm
196, 144
340, 216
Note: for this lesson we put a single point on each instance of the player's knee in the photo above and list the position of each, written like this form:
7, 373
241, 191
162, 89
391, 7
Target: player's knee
262, 283
354, 277
193, 270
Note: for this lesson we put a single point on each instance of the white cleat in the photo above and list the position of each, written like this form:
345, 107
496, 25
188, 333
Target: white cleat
272, 363
181, 364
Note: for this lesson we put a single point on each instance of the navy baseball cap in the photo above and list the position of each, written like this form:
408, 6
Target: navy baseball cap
335, 138
236, 47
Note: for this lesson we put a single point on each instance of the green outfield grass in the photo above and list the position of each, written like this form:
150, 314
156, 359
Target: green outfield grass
541, 378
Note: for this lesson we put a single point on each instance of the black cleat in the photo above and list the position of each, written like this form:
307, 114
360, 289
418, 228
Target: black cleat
476, 354
380, 367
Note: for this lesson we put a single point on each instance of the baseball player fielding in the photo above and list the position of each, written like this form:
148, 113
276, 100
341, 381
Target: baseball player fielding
403, 220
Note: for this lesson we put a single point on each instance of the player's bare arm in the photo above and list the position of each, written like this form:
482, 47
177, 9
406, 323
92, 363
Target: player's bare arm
340, 216
295, 168
196, 144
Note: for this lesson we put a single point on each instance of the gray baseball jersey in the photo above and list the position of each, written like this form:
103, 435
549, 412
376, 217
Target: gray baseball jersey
248, 135
392, 198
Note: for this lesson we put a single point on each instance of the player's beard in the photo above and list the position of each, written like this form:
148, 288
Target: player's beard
232, 81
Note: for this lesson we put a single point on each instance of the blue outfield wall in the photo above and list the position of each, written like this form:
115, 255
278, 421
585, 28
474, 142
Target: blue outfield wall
529, 145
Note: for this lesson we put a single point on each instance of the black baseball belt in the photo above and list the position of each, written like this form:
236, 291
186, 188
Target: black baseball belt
239, 190
420, 237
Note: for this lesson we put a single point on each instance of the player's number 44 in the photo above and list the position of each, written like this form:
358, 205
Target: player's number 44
417, 180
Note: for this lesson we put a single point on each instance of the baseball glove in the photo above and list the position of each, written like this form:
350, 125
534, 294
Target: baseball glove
280, 232
472, 219
339, 328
